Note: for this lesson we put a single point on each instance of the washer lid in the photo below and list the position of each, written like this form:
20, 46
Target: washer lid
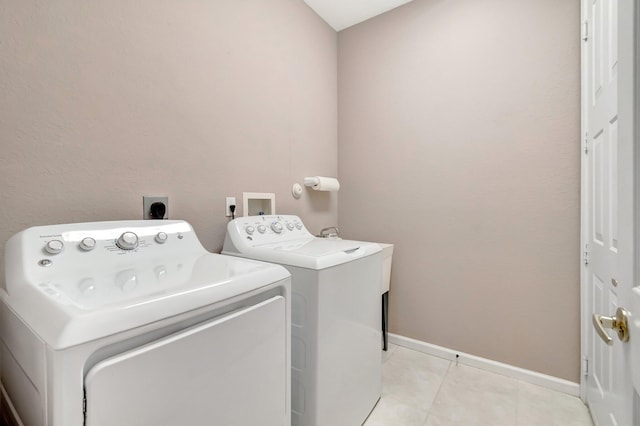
311, 253
81, 308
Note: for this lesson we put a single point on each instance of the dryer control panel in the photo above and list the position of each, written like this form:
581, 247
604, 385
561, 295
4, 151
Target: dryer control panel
98, 263
122, 238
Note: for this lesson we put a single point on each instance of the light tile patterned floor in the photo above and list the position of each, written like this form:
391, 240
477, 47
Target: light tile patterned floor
423, 390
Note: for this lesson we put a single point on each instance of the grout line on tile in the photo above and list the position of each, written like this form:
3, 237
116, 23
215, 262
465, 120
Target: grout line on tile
435, 398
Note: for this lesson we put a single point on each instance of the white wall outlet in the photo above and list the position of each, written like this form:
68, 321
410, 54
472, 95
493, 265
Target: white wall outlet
231, 201
155, 207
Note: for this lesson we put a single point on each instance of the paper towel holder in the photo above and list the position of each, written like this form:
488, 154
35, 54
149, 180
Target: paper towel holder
312, 180
320, 183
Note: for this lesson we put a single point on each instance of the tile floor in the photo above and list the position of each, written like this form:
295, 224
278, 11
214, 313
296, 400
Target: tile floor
423, 390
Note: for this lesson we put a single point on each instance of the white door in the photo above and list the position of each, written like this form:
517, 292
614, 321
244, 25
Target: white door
609, 273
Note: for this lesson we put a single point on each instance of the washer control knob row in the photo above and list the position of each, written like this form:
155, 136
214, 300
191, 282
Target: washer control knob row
54, 247
88, 244
276, 227
161, 237
127, 241
262, 229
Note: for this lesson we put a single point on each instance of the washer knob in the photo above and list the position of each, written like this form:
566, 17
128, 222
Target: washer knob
298, 225
276, 227
262, 229
54, 247
88, 244
127, 241
250, 230
290, 226
161, 237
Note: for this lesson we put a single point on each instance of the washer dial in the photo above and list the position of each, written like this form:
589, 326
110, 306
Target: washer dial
276, 227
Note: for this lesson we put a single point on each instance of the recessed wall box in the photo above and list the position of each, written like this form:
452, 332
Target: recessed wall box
258, 203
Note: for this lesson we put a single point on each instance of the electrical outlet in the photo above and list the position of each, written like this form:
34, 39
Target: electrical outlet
230, 201
155, 207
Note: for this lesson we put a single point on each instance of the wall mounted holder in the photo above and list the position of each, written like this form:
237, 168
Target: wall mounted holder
321, 183
296, 191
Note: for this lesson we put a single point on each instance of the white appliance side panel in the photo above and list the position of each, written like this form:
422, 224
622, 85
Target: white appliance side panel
228, 371
349, 342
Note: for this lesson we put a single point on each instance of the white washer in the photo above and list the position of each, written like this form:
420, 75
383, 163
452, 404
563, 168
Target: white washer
336, 310
135, 323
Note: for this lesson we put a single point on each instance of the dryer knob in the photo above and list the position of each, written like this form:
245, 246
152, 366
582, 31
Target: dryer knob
126, 280
88, 244
54, 247
276, 227
161, 237
127, 241
262, 229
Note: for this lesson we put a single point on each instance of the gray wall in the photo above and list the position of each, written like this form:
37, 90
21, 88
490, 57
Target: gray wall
459, 136
459, 142
103, 102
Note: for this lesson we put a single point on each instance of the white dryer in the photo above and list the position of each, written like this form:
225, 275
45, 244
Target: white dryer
135, 323
336, 310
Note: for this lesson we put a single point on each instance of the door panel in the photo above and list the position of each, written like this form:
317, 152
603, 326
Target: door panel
228, 371
613, 186
609, 216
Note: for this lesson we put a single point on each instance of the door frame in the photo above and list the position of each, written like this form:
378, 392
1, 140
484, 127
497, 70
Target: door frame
584, 218
630, 107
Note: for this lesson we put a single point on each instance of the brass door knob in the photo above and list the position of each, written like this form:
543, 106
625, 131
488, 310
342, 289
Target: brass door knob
618, 323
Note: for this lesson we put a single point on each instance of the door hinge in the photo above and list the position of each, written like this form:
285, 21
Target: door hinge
586, 254
585, 366
586, 142
585, 31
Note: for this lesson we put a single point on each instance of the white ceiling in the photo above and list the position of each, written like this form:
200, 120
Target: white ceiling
341, 14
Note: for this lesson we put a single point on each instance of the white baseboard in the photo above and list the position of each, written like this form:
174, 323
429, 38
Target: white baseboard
544, 380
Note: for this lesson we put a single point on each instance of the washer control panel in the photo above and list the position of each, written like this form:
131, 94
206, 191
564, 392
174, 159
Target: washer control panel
257, 230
